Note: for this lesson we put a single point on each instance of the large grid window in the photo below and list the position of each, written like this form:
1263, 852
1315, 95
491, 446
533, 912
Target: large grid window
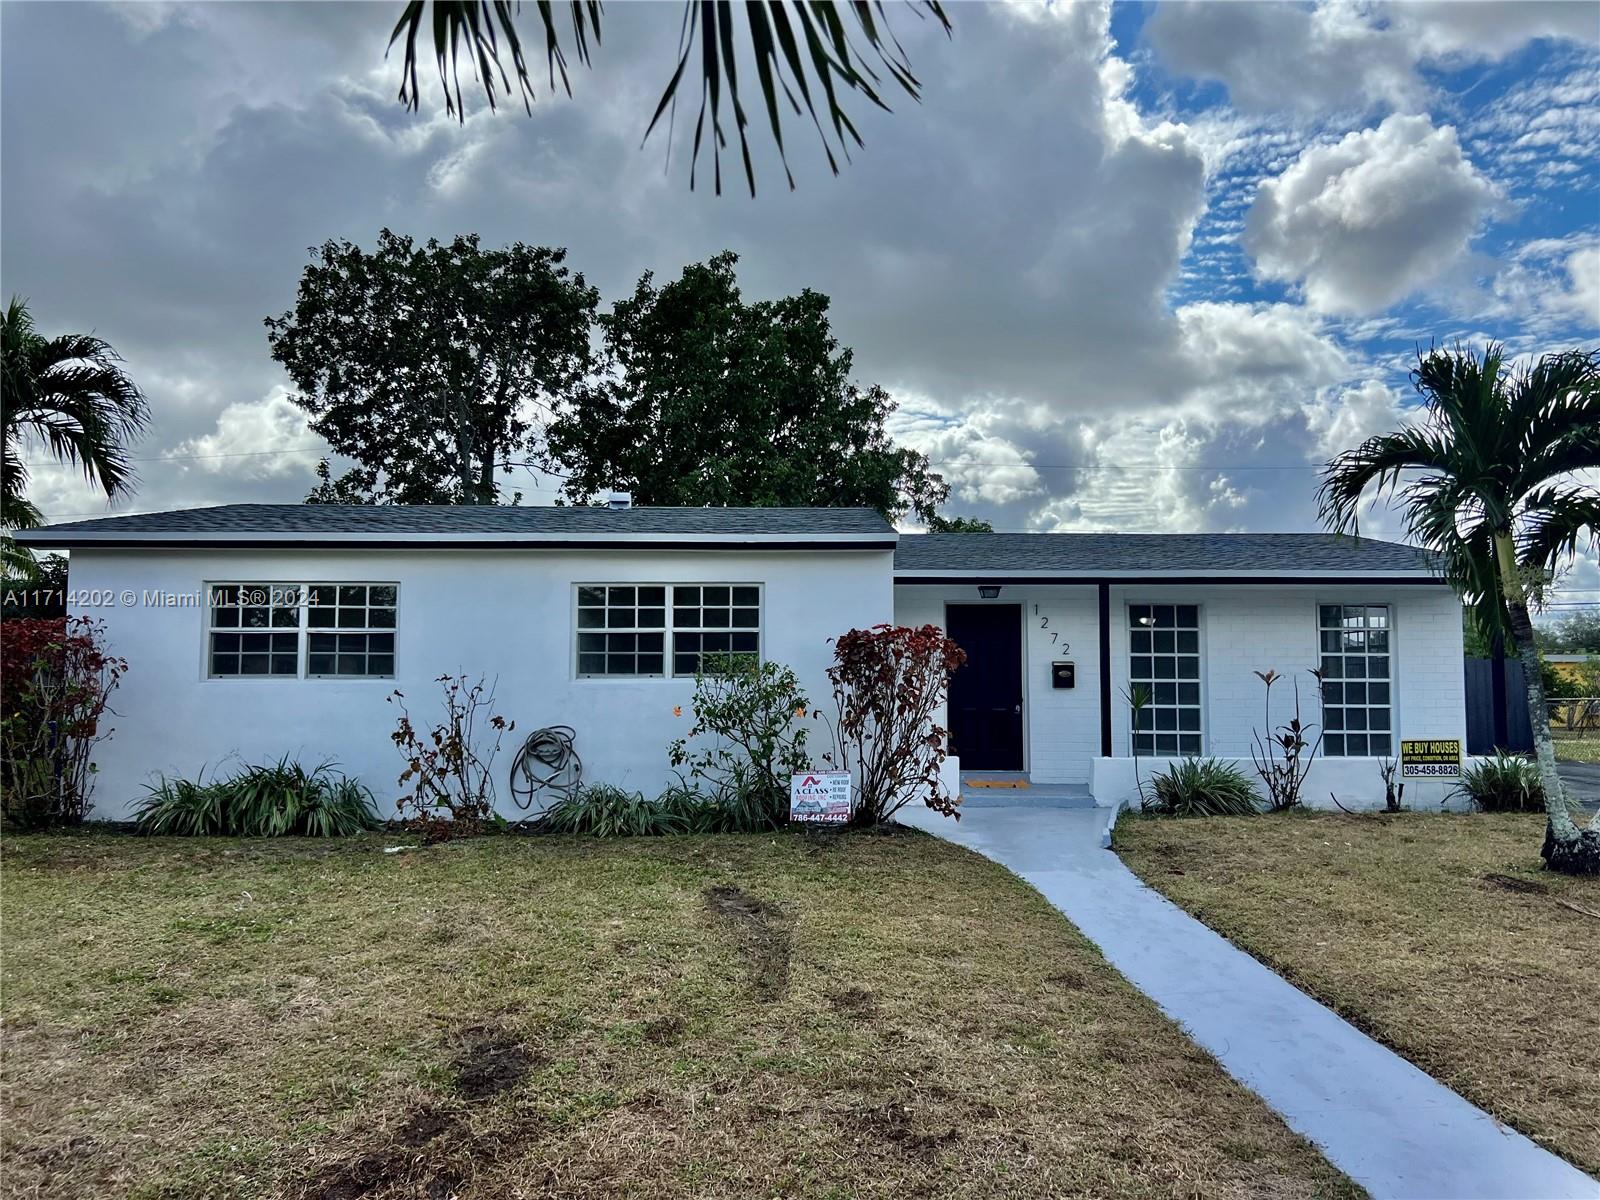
1357, 687
713, 619
255, 629
625, 629
350, 630
1164, 661
289, 630
622, 629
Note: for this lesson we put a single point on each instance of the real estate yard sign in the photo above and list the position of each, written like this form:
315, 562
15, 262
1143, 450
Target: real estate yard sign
1430, 758
820, 796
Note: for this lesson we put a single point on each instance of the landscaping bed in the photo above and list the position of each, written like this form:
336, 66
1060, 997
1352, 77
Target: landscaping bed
1439, 935
789, 1014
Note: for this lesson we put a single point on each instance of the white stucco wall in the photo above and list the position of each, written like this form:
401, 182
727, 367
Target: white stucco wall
1061, 727
1244, 629
506, 614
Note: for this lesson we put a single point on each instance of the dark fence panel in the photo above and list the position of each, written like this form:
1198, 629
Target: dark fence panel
1480, 707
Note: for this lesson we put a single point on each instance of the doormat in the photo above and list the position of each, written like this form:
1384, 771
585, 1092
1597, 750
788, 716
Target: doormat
994, 783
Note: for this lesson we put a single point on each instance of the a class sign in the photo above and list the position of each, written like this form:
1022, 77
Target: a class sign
820, 796
1430, 758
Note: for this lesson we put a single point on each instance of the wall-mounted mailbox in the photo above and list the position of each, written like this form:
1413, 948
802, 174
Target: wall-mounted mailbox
1063, 675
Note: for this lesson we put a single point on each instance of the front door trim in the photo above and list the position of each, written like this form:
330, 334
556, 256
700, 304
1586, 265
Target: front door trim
1016, 608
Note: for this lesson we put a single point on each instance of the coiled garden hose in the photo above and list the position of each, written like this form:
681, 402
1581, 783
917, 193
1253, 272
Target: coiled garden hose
546, 769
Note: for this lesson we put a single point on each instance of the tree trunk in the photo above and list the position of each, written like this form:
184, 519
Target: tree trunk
466, 475
486, 474
1566, 847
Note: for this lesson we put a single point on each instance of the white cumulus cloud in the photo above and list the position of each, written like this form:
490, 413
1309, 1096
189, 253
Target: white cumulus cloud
1369, 220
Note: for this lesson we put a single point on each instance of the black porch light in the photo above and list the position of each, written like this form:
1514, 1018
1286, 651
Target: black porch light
988, 591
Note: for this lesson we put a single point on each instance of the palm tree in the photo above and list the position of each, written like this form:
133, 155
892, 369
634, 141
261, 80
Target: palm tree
805, 54
71, 393
1503, 505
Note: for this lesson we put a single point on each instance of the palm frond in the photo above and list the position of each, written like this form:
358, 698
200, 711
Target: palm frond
72, 393
813, 52
478, 26
1377, 464
1558, 520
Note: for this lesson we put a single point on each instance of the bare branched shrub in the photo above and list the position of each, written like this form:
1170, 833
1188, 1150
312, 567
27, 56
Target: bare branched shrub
449, 770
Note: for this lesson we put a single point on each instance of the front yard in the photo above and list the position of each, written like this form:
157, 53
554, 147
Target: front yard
731, 1016
1439, 935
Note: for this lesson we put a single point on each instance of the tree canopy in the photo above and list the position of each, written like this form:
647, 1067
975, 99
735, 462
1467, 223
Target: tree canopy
1575, 632
708, 399
427, 364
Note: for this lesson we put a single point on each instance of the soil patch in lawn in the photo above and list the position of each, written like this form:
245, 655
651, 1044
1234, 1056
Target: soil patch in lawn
763, 932
855, 1002
1438, 934
490, 1061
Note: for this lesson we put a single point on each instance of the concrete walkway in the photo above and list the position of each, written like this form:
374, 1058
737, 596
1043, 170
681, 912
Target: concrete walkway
1399, 1133
1582, 781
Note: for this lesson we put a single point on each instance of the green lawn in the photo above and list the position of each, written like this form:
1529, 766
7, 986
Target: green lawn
1440, 935
1571, 747
819, 1015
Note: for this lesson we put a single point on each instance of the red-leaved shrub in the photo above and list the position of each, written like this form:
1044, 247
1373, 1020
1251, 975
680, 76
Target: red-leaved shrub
888, 682
56, 682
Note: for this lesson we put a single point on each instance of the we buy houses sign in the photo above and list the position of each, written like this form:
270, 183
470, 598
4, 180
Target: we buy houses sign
822, 796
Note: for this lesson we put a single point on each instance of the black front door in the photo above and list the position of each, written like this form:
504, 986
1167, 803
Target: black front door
986, 692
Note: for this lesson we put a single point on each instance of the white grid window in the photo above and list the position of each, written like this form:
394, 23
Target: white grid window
255, 630
624, 629
1164, 661
350, 630
1357, 680
294, 630
714, 619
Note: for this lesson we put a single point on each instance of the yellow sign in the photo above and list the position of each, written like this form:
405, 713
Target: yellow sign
1430, 758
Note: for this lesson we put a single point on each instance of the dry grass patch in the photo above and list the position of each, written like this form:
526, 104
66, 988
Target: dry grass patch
719, 1017
1440, 935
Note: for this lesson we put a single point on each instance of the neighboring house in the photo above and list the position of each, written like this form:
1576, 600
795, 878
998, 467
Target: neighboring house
595, 618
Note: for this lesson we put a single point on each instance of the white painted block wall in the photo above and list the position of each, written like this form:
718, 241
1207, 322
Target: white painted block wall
506, 614
1245, 629
1061, 726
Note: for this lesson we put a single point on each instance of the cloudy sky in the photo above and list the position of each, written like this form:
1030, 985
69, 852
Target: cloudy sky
1136, 267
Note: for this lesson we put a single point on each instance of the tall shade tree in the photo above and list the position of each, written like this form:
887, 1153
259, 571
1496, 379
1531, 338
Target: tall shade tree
707, 399
428, 364
807, 54
71, 394
1502, 500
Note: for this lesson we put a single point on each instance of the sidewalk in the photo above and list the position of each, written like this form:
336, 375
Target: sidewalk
1393, 1129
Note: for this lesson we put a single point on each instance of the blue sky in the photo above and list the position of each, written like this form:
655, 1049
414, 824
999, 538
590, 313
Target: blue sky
1131, 267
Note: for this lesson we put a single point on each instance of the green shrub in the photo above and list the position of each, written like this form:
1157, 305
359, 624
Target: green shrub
1503, 783
602, 810
184, 808
1202, 787
274, 800
748, 737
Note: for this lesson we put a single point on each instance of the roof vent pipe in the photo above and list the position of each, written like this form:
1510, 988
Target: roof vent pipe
619, 500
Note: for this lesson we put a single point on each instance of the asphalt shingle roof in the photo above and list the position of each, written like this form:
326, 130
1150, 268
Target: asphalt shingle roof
364, 522
1146, 553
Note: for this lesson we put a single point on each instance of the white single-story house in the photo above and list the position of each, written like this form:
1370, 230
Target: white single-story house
256, 630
